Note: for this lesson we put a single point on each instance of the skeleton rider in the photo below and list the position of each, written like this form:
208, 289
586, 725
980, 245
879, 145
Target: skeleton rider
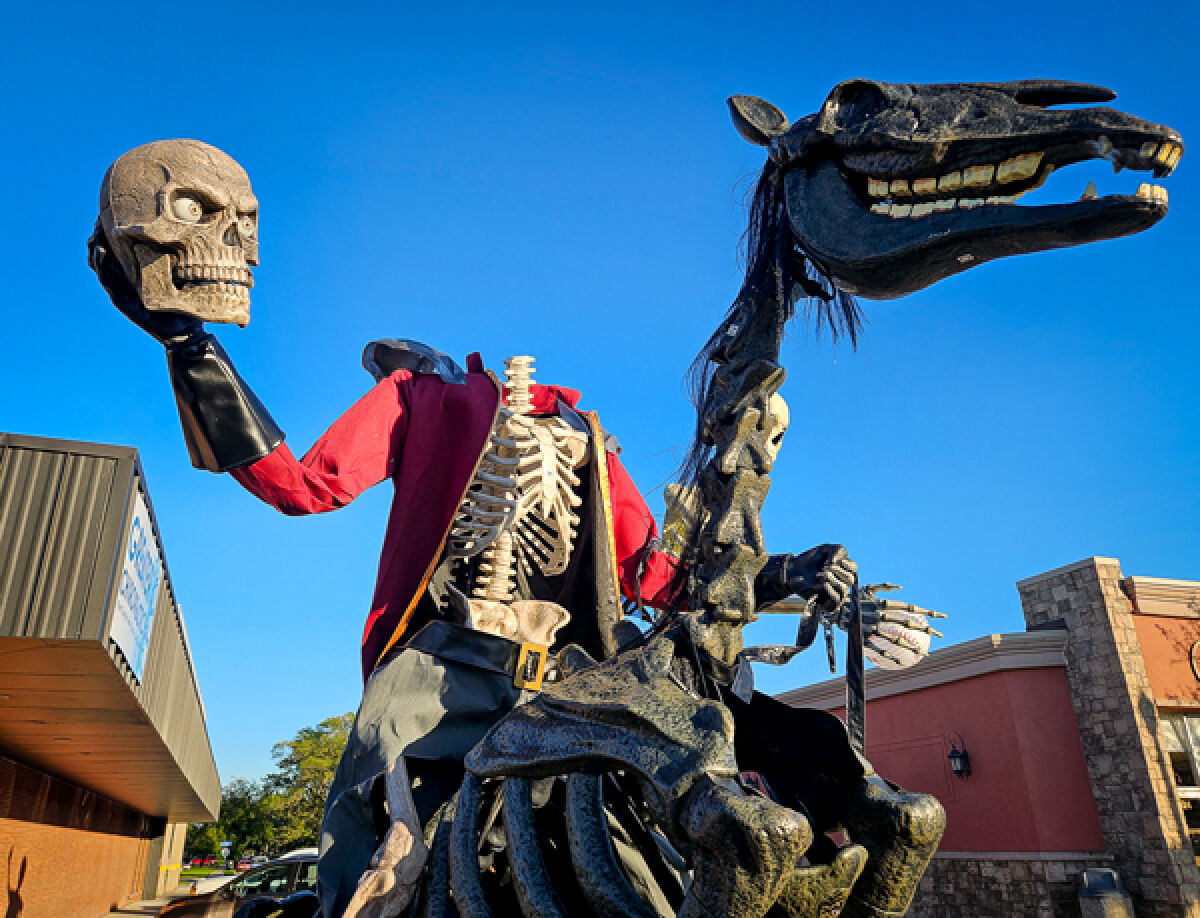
514, 528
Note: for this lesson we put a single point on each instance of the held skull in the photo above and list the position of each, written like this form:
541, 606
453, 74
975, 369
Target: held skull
183, 222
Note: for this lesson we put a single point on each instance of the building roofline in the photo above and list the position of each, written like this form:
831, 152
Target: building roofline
979, 657
1163, 596
1093, 561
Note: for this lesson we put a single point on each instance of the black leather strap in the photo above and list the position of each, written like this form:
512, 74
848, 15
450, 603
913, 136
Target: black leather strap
856, 701
467, 646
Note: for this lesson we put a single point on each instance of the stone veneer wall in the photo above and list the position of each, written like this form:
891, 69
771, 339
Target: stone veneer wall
1118, 725
1015, 887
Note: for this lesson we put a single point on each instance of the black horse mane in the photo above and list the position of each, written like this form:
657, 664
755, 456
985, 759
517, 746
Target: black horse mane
779, 274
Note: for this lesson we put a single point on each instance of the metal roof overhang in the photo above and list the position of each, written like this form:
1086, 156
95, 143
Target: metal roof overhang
66, 709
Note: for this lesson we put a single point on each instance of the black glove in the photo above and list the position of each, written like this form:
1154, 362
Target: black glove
225, 426
825, 573
170, 329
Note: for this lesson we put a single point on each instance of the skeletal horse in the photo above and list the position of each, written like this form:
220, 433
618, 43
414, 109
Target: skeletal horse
621, 788
888, 188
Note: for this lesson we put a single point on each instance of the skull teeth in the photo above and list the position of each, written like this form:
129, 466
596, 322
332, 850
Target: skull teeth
210, 275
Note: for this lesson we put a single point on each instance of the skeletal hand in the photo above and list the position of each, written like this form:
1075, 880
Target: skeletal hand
896, 634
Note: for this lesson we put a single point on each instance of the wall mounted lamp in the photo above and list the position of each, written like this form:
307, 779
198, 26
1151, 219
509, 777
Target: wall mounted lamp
960, 759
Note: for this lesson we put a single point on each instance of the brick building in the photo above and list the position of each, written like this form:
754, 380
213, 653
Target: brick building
1083, 734
104, 754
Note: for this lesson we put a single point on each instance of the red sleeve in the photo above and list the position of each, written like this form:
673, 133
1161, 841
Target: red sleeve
633, 527
358, 451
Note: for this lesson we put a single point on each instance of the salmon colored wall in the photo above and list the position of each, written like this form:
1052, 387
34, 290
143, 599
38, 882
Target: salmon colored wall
1028, 789
1166, 643
54, 872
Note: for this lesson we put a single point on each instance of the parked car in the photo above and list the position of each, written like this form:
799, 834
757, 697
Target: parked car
276, 879
301, 852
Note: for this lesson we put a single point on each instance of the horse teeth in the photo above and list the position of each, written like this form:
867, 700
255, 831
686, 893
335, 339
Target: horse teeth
924, 209
924, 186
900, 186
1019, 167
974, 176
1002, 199
1149, 192
1147, 150
970, 203
877, 188
951, 181
1163, 156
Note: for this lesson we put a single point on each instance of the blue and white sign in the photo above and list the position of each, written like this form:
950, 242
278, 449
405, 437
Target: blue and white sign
141, 578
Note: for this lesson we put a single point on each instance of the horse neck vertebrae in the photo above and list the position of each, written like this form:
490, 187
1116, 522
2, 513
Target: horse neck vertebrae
520, 507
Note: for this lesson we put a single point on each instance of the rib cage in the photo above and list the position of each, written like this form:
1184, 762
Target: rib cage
526, 487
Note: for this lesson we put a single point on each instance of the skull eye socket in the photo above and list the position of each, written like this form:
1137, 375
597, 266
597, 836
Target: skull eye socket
188, 209
246, 226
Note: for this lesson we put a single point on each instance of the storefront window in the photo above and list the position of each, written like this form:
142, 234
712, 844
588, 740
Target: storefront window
1180, 735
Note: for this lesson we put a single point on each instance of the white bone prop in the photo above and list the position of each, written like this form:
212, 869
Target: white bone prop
388, 885
520, 504
892, 645
497, 577
685, 511
183, 222
526, 482
775, 424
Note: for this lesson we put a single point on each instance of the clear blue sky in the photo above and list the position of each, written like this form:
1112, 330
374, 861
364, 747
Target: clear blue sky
563, 181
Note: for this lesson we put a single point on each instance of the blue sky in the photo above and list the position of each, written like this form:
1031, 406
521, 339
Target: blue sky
563, 181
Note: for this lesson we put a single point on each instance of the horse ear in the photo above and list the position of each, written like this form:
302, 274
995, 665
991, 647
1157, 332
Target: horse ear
757, 120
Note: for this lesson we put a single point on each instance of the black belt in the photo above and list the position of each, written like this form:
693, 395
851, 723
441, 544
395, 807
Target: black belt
524, 662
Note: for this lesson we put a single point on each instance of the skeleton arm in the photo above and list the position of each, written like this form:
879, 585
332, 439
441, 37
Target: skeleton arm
356, 452
228, 429
224, 424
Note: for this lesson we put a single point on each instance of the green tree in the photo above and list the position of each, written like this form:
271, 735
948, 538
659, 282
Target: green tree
203, 840
305, 764
247, 816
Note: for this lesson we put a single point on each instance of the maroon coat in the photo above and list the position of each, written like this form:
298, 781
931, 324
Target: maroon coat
428, 436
